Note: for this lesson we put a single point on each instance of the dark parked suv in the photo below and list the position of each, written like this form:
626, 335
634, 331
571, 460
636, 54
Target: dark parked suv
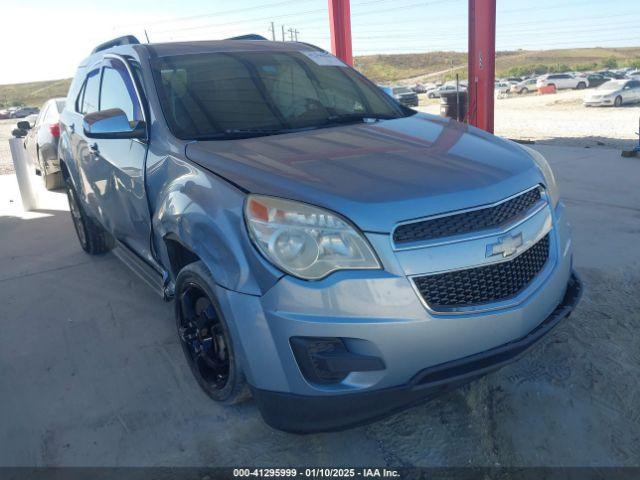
328, 250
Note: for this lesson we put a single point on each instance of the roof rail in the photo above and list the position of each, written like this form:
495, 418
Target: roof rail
126, 40
250, 36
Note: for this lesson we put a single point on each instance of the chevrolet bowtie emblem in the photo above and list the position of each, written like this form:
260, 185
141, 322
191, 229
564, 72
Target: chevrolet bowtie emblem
505, 246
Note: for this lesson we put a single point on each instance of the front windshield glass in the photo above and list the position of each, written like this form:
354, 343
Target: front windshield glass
239, 94
611, 85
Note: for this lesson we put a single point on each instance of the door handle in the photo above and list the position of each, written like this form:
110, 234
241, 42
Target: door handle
72, 127
94, 148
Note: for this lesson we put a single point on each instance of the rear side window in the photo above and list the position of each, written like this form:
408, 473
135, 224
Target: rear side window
42, 114
87, 101
118, 91
52, 115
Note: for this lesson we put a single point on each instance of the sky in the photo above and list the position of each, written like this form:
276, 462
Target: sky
46, 40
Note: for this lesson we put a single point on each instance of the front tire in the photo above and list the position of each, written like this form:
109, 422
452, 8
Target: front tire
581, 86
524, 91
205, 337
618, 101
92, 237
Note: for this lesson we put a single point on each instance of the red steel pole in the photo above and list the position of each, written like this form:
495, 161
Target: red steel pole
482, 62
340, 22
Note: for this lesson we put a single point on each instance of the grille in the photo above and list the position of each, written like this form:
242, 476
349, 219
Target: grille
490, 283
467, 222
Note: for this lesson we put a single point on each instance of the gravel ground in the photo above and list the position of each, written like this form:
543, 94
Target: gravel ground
560, 119
102, 381
6, 164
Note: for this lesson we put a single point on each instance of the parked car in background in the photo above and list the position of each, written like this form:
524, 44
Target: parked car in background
41, 142
436, 92
22, 112
595, 79
633, 74
614, 93
323, 251
502, 88
611, 74
524, 87
404, 95
419, 88
4, 114
562, 81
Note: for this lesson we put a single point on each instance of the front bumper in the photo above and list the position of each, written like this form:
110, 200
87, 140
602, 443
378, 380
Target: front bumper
377, 314
599, 102
306, 414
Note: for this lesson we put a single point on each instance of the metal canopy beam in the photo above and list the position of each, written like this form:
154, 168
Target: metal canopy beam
482, 62
482, 54
340, 22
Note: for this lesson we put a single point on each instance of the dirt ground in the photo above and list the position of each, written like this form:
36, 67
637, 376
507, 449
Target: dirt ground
560, 119
6, 126
102, 381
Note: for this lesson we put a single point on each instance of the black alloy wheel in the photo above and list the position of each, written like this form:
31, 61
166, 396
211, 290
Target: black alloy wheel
203, 338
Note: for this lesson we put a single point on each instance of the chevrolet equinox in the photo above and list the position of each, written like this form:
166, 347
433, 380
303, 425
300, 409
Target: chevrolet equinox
329, 251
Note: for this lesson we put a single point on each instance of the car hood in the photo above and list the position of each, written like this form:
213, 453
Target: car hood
376, 174
600, 93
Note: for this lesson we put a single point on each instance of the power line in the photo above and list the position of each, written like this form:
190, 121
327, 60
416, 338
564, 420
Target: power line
245, 21
213, 14
323, 10
356, 27
500, 32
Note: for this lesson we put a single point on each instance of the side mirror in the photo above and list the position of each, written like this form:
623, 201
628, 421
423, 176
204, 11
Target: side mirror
23, 125
112, 123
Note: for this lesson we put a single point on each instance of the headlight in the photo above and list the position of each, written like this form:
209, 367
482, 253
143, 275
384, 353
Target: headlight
549, 179
305, 241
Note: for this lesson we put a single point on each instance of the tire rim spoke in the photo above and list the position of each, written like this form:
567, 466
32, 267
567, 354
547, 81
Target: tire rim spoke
203, 336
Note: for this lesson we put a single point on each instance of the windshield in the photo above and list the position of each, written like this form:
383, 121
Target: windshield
240, 94
612, 85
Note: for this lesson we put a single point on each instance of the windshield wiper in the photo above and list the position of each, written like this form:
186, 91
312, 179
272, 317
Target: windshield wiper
235, 133
356, 118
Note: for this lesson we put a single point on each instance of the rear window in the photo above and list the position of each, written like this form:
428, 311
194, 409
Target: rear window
215, 95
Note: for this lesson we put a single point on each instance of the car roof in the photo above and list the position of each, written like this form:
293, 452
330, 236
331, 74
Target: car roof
213, 46
194, 47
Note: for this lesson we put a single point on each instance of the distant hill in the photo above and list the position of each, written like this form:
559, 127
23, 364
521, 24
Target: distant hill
33, 94
408, 67
443, 65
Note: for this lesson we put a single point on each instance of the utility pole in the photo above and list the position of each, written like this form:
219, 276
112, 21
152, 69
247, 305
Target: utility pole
296, 32
290, 34
272, 29
283, 39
